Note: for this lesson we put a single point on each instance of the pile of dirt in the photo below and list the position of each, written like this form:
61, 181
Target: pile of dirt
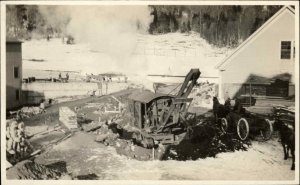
28, 169
204, 141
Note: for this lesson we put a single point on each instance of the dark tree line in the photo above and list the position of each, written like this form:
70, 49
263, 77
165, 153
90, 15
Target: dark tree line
26, 21
219, 25
21, 20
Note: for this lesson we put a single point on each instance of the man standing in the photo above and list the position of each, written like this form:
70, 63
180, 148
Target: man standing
67, 77
59, 77
238, 107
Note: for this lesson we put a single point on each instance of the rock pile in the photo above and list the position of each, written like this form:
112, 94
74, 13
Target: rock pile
112, 133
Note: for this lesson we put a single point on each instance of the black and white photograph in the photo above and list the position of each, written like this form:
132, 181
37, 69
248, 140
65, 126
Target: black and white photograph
150, 92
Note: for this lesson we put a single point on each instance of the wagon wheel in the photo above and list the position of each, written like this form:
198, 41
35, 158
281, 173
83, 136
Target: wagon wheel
243, 129
267, 131
224, 125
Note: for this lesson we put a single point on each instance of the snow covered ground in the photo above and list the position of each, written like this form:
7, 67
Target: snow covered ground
263, 161
168, 54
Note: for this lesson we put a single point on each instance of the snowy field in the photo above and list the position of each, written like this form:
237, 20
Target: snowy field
168, 54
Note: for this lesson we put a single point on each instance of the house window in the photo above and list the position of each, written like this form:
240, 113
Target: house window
16, 72
294, 50
17, 94
286, 49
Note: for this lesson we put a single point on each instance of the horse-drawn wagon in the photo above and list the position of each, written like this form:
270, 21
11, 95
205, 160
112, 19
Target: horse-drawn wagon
243, 123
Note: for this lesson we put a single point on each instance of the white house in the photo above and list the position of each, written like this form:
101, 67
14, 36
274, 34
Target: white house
264, 64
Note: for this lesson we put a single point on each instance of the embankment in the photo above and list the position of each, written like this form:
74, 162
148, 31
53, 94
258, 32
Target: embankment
33, 93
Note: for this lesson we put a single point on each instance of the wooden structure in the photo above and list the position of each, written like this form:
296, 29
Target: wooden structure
14, 98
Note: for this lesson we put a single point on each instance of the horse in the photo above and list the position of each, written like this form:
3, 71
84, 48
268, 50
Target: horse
219, 110
287, 139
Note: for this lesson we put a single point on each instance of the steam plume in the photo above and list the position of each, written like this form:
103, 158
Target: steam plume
112, 30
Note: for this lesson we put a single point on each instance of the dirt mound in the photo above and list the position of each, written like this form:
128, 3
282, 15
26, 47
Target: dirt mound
204, 140
193, 149
30, 170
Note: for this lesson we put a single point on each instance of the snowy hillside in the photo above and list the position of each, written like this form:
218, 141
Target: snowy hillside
171, 54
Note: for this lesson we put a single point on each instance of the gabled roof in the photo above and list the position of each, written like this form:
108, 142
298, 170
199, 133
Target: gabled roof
255, 35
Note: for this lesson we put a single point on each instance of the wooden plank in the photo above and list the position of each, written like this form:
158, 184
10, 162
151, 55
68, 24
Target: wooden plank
182, 100
164, 137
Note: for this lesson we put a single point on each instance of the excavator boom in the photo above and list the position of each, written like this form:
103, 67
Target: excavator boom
178, 107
